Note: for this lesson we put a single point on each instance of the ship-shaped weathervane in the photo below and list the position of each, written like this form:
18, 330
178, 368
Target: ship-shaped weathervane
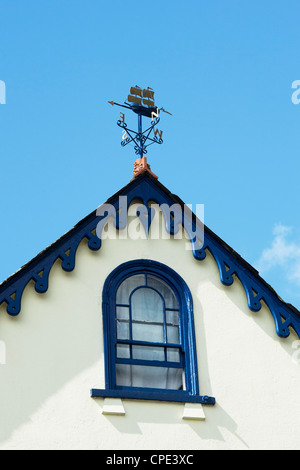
141, 102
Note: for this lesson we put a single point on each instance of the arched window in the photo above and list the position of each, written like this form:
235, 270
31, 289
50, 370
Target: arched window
149, 339
149, 350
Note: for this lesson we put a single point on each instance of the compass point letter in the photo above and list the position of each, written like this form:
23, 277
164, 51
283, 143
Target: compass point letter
156, 131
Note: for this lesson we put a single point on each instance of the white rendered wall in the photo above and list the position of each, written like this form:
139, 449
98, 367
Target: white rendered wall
54, 356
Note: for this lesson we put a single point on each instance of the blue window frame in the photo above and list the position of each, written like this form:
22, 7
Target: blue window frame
149, 338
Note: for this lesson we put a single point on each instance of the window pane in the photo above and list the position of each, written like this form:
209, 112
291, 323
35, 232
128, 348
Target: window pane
173, 355
149, 377
173, 334
164, 289
148, 332
172, 317
123, 375
123, 313
128, 286
123, 351
147, 306
148, 353
122, 330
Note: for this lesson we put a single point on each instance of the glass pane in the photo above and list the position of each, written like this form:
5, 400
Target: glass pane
123, 351
128, 286
149, 377
148, 332
148, 353
172, 317
147, 306
123, 375
173, 334
164, 289
123, 313
122, 330
173, 355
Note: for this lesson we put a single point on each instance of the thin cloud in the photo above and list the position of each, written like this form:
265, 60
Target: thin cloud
284, 253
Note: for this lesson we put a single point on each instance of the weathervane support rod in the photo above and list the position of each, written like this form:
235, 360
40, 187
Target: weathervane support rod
140, 132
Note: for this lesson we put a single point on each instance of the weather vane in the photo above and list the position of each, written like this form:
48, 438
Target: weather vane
141, 102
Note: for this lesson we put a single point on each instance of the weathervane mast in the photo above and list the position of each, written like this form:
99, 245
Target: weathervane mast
141, 102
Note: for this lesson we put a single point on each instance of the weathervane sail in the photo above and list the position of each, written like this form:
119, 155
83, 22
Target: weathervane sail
141, 102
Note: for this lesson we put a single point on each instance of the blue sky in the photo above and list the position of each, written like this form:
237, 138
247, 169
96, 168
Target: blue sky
223, 68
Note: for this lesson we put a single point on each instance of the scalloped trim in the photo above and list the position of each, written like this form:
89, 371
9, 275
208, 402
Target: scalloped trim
147, 189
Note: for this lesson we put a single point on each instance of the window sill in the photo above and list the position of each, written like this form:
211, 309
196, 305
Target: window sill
156, 395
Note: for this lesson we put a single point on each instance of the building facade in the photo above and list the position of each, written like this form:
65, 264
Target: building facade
136, 331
